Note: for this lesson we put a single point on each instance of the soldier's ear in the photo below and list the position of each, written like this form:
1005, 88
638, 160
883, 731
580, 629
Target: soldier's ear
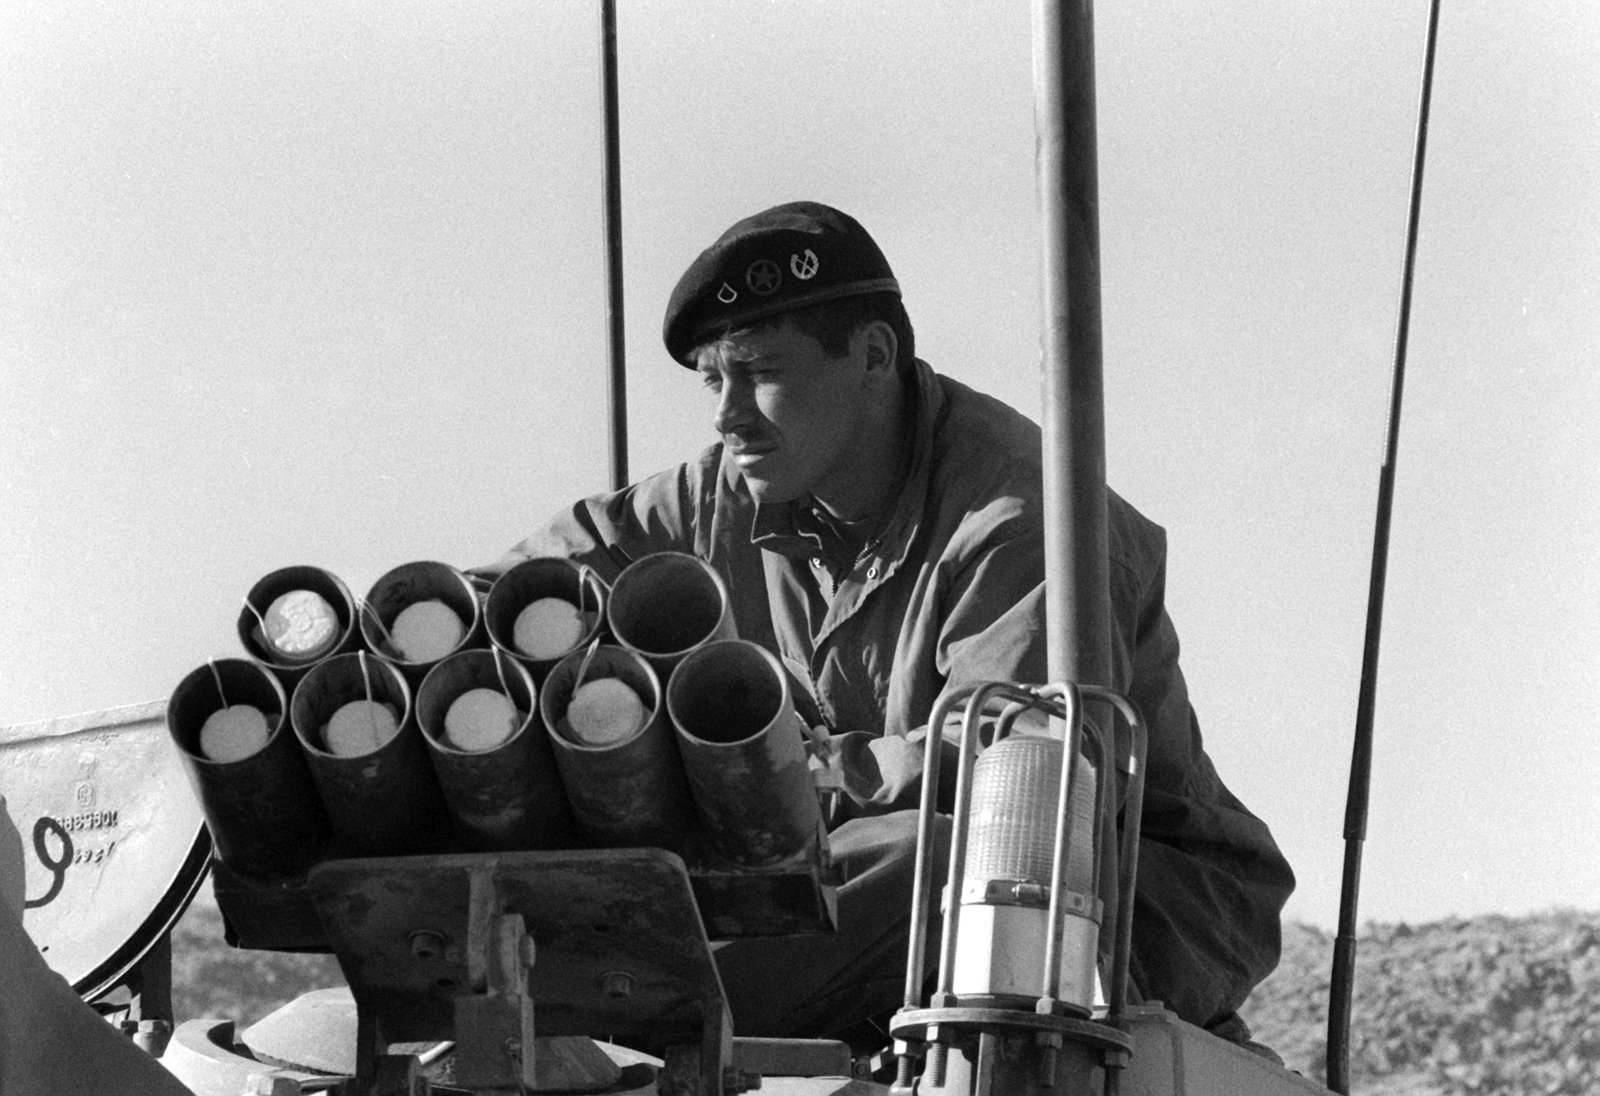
880, 345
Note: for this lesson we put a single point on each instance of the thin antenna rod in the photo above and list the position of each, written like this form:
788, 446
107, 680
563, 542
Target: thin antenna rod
617, 393
1355, 817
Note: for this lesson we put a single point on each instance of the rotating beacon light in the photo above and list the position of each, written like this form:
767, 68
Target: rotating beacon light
1014, 1006
1006, 887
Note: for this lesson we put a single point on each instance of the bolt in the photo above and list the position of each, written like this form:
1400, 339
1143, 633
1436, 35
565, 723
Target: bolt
427, 943
617, 984
735, 1080
270, 1084
1047, 1067
903, 1073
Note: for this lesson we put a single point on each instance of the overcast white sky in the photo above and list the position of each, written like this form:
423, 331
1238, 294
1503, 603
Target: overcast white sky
322, 283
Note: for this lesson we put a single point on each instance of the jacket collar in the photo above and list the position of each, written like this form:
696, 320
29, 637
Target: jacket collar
782, 528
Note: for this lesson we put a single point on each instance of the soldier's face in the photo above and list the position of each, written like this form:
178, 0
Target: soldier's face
790, 416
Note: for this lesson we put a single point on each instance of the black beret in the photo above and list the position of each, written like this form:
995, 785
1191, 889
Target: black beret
787, 257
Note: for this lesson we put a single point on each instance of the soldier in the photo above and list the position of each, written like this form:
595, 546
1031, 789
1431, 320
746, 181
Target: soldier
880, 528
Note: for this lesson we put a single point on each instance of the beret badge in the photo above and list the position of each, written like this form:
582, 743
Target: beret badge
763, 277
783, 259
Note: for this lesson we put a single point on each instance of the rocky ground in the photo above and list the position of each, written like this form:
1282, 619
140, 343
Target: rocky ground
1474, 1007
1488, 1006
210, 979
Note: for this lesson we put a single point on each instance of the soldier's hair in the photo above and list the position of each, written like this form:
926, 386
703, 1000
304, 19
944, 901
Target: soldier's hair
832, 323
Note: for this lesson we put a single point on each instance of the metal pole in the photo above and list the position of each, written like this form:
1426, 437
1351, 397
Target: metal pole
618, 389
1078, 598
1341, 985
1077, 589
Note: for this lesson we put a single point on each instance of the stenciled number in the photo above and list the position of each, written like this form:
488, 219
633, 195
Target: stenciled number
56, 866
92, 856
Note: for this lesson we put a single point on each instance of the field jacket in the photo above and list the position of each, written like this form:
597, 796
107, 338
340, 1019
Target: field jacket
951, 591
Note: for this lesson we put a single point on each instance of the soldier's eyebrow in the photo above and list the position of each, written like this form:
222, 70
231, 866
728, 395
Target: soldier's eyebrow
728, 358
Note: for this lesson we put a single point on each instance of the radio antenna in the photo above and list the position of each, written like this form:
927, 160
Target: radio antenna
1355, 817
618, 389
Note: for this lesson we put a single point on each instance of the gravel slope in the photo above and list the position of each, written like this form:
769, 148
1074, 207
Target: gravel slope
1465, 1007
1488, 1006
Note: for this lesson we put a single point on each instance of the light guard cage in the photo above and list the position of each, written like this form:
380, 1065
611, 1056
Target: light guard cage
979, 1026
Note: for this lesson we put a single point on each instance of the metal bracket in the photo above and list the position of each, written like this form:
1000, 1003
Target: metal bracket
472, 947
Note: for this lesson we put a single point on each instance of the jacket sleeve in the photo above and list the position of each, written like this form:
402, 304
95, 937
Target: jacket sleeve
984, 622
610, 530
1212, 882
50, 1040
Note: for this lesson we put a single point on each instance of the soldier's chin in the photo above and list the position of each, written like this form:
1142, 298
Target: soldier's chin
771, 492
